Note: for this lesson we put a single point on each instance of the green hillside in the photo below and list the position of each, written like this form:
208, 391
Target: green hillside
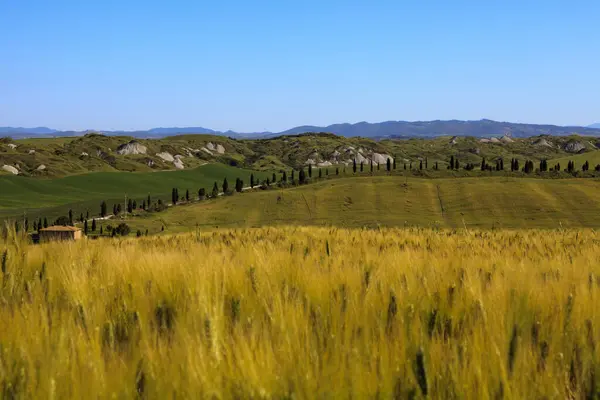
53, 197
396, 201
49, 158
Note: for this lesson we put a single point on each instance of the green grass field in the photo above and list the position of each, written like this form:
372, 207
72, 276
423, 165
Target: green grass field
54, 197
593, 157
495, 202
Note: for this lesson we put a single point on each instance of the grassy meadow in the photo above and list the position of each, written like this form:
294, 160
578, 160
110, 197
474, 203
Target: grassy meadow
395, 201
54, 197
295, 312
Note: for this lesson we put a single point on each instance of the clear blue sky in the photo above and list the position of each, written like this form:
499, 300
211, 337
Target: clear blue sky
256, 65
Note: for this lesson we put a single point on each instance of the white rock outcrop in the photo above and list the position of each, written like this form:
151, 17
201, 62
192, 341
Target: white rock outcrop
41, 167
32, 151
11, 169
381, 158
132, 147
166, 156
220, 149
178, 163
84, 154
207, 151
574, 147
210, 146
12, 146
507, 139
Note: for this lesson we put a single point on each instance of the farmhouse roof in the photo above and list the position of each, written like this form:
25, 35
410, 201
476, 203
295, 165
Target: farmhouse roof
58, 228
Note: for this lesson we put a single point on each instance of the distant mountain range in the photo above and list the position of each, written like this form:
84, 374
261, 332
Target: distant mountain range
403, 129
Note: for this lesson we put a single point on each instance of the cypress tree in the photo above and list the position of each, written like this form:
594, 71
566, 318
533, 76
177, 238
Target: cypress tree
310, 170
337, 170
135, 205
389, 165
483, 164
426, 162
187, 195
130, 206
81, 217
26, 226
394, 162
301, 176
274, 178
326, 171
70, 217
40, 226
101, 232
35, 228
451, 162
85, 227
502, 164
361, 166
436, 165
284, 177
354, 166
201, 193
371, 165
45, 222
144, 204
292, 176
215, 191
252, 180
148, 203
225, 185
378, 166
94, 225
456, 164
421, 165
320, 173
404, 165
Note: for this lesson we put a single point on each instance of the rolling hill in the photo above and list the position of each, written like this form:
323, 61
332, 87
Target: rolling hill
56, 157
498, 202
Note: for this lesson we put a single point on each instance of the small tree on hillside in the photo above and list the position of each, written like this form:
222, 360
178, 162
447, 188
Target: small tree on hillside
70, 217
215, 190
394, 166
40, 224
284, 177
252, 180
310, 170
456, 164
421, 165
426, 163
274, 178
451, 165
354, 165
187, 195
320, 173
85, 227
371, 165
135, 205
225, 186
201, 193
361, 166
174, 196
292, 176
94, 225
302, 176
81, 219
337, 170
130, 206
389, 165
45, 222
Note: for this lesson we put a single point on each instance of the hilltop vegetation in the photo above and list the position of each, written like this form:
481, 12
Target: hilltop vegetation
304, 313
94, 152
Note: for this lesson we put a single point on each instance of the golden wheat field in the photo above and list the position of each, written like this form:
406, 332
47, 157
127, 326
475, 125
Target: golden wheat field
294, 313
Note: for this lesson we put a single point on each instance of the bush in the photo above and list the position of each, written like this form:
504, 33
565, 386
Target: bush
122, 229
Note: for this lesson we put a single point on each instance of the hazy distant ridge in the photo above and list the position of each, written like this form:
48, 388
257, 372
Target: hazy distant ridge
481, 128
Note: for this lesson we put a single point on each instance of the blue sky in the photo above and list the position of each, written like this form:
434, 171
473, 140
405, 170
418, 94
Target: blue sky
271, 65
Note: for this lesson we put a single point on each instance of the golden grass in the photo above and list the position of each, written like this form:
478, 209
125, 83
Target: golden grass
304, 313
